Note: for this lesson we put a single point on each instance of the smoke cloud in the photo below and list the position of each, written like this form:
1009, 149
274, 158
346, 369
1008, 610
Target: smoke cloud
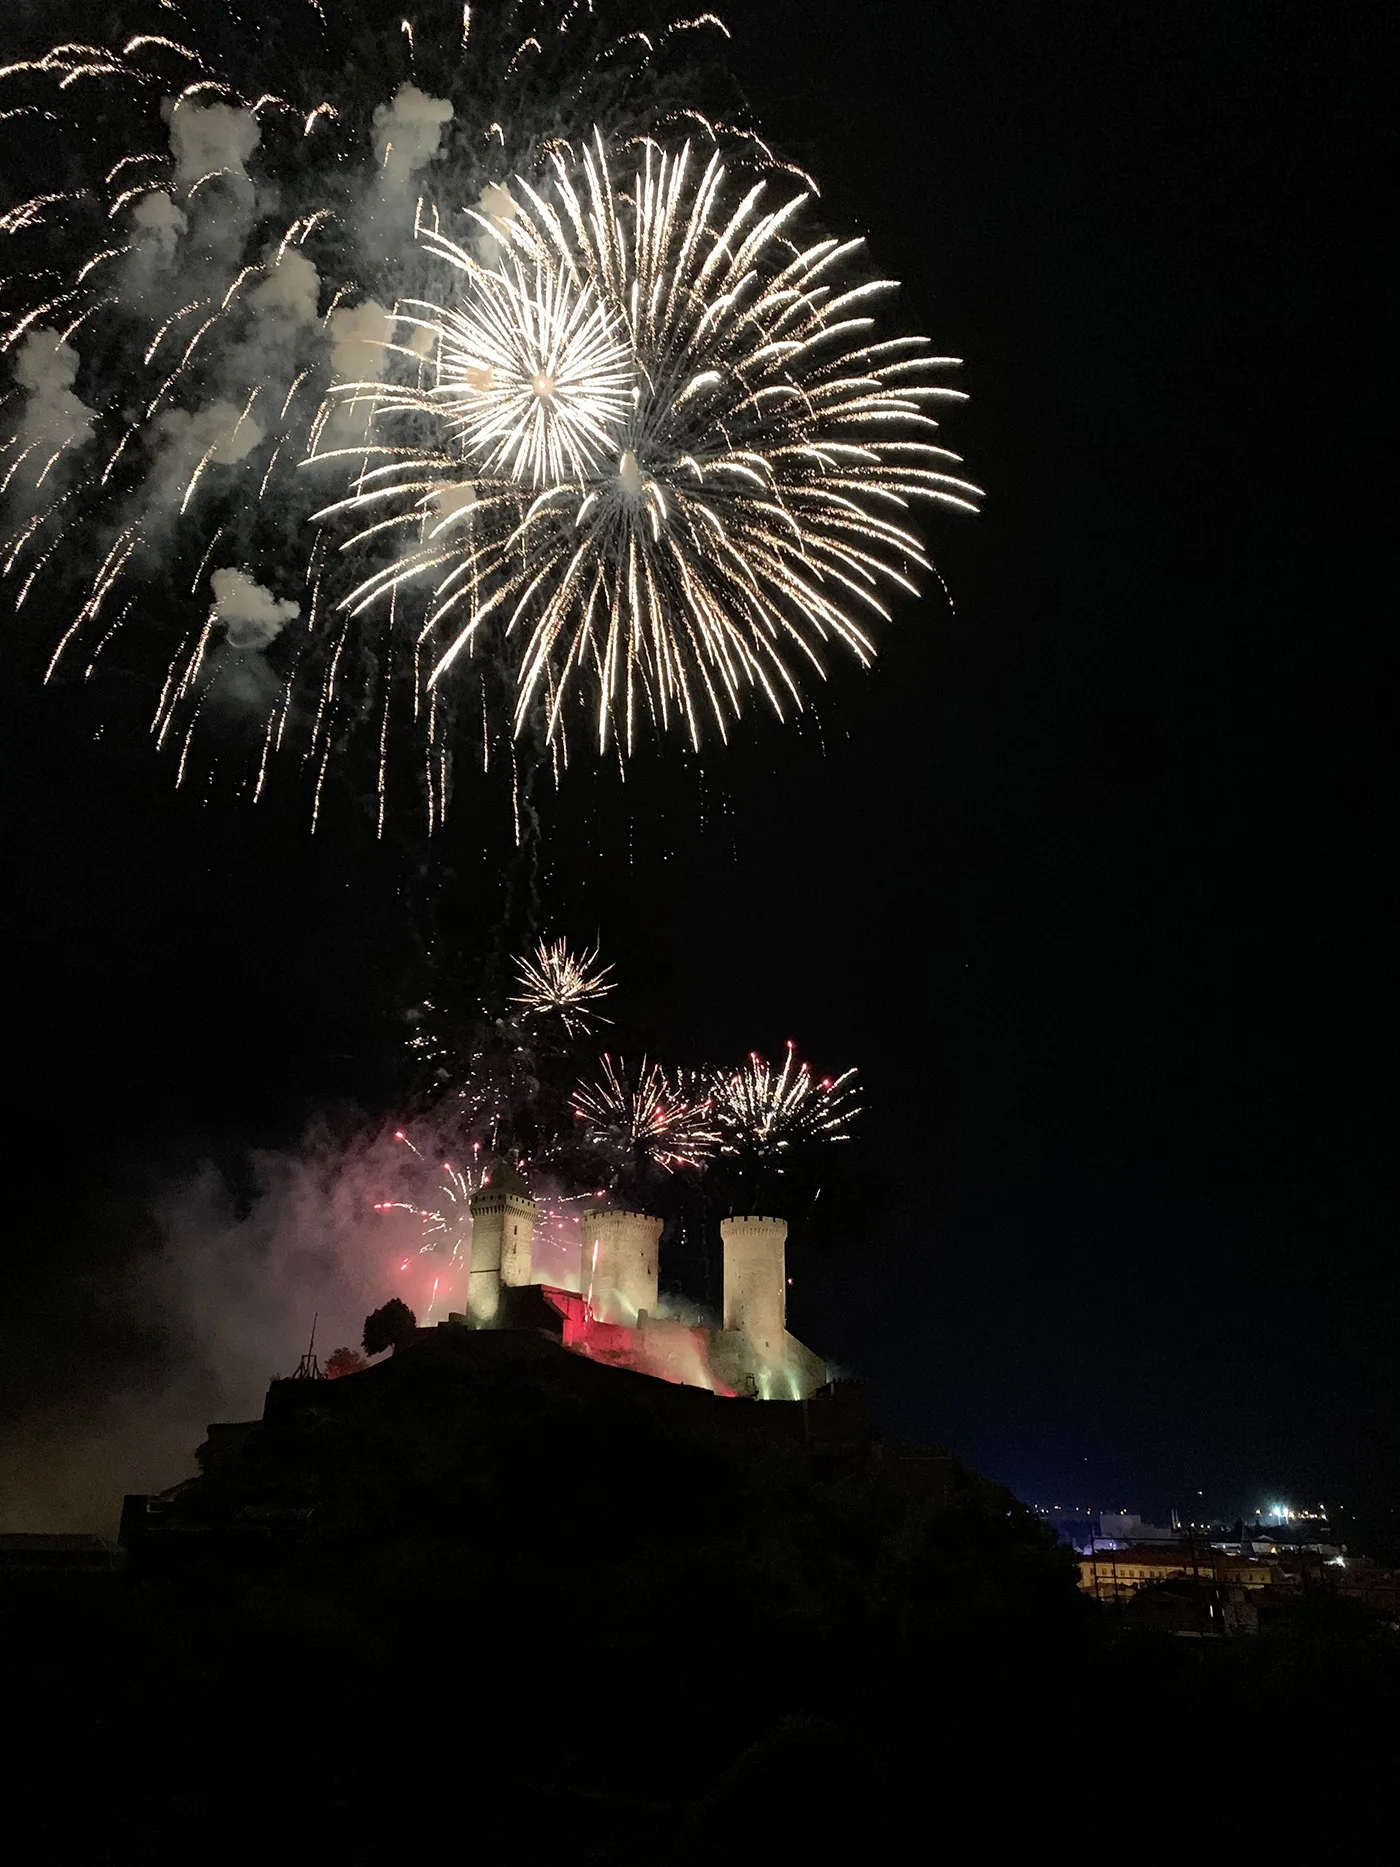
185, 444
248, 1257
46, 369
358, 337
252, 616
157, 223
407, 133
210, 139
222, 430
500, 207
289, 292
450, 501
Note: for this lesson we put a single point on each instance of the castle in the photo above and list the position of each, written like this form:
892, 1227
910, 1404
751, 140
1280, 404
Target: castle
615, 1316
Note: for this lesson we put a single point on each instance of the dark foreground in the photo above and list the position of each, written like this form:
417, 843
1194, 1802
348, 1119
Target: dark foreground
525, 1608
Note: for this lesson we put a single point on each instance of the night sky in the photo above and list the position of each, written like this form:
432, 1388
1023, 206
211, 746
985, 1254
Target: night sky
1087, 876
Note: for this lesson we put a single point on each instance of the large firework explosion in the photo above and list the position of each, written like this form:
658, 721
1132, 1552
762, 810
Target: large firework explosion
653, 458
662, 554
207, 224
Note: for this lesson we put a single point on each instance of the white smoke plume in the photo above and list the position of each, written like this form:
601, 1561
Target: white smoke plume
451, 500
232, 1292
226, 432
252, 616
223, 430
407, 134
358, 336
187, 444
210, 139
46, 369
157, 223
500, 207
289, 291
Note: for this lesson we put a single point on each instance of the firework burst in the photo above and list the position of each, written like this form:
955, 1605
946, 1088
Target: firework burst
645, 1116
205, 224
761, 1110
534, 379
749, 509
555, 981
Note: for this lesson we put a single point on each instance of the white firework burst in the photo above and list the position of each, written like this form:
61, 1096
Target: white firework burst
761, 1109
204, 225
750, 506
643, 1114
556, 981
533, 377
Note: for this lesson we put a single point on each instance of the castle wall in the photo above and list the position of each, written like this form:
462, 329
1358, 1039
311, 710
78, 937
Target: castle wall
503, 1232
517, 1242
755, 1282
618, 1267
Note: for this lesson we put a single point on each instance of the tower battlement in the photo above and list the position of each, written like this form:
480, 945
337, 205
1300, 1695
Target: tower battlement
614, 1315
503, 1234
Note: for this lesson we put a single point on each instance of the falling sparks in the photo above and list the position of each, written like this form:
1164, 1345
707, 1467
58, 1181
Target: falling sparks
443, 1220
620, 449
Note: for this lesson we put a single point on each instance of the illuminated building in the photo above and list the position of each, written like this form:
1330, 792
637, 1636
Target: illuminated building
1117, 1574
755, 1285
503, 1229
618, 1269
617, 1316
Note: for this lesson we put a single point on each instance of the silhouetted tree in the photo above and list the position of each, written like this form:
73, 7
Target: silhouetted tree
388, 1326
346, 1361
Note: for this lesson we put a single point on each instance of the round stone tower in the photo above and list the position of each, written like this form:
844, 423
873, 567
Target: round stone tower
618, 1268
503, 1233
755, 1282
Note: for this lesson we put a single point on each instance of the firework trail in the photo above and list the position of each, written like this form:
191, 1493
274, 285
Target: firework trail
500, 1092
655, 556
555, 981
436, 1201
645, 1116
443, 1220
761, 1110
497, 1081
208, 223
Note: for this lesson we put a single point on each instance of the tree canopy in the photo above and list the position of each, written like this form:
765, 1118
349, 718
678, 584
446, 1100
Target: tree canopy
387, 1327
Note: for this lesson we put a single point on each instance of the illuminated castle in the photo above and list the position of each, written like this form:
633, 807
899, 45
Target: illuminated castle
616, 1316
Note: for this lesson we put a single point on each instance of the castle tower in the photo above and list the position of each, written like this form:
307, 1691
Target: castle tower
618, 1267
755, 1283
503, 1233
